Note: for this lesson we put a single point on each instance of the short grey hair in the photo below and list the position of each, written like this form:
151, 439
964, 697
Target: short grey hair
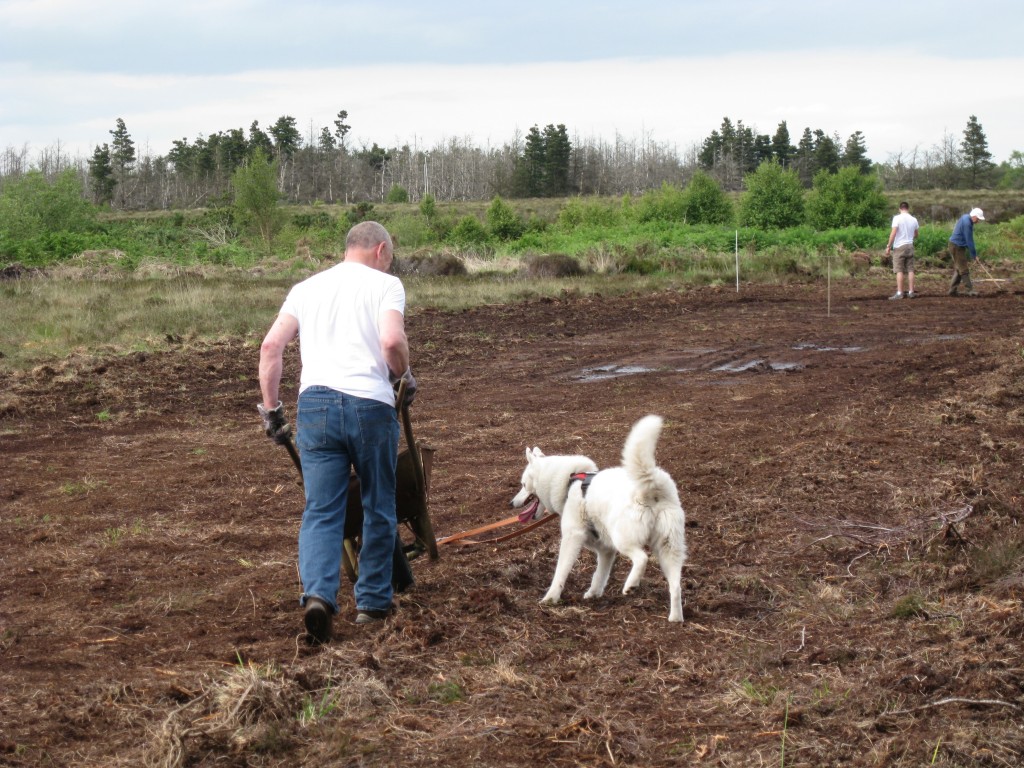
368, 234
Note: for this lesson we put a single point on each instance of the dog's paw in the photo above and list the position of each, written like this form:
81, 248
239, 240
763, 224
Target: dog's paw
547, 600
592, 593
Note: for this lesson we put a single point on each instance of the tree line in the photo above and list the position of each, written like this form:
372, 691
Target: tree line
545, 162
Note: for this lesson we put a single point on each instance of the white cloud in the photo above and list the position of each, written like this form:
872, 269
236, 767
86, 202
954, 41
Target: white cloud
669, 100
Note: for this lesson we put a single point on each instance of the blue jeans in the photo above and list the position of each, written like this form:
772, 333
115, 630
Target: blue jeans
336, 432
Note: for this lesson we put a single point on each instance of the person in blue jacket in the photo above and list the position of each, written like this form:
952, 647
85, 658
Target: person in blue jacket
961, 246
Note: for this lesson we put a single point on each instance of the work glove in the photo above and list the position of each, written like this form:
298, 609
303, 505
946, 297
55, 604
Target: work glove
274, 423
410, 387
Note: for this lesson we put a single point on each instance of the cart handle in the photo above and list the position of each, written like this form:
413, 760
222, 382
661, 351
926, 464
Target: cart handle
403, 409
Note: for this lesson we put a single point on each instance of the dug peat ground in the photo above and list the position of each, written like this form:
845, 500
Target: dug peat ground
851, 473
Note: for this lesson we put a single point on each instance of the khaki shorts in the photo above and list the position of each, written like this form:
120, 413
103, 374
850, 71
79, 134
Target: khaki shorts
903, 259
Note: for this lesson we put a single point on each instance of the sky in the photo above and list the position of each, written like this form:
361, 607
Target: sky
907, 75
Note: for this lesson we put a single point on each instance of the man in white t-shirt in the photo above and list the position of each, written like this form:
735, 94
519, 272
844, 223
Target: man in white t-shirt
901, 245
351, 328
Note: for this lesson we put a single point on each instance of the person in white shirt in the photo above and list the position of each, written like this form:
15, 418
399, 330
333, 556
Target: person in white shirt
901, 246
351, 328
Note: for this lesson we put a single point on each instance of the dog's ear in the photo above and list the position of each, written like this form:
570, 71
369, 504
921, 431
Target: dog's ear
529, 455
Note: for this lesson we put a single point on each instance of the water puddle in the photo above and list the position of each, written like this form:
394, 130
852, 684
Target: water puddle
819, 348
709, 359
602, 372
940, 337
757, 365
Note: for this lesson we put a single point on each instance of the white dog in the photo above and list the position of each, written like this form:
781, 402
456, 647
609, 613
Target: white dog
624, 510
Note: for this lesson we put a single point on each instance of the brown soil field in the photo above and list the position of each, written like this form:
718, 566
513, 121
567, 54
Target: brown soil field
850, 469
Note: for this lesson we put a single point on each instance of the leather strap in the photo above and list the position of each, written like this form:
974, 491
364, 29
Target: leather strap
463, 539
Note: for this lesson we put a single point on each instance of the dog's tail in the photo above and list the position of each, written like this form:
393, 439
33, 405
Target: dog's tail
638, 455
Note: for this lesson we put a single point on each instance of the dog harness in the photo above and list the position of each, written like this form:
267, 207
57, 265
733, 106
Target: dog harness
584, 479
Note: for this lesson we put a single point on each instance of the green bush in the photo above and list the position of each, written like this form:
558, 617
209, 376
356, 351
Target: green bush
468, 231
231, 255
847, 198
397, 194
587, 213
665, 204
706, 202
359, 212
853, 238
40, 220
318, 220
503, 221
410, 231
256, 196
932, 241
774, 198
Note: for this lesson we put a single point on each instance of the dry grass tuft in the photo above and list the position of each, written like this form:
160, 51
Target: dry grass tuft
552, 265
256, 707
431, 265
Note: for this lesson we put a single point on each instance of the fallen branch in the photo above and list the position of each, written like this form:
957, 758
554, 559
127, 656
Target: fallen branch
870, 534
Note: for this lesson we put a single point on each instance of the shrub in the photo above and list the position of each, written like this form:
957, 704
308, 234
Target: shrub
32, 209
592, 213
932, 241
428, 207
409, 230
853, 238
318, 220
359, 212
503, 222
256, 196
848, 198
774, 198
665, 204
468, 231
232, 254
397, 194
705, 201
638, 264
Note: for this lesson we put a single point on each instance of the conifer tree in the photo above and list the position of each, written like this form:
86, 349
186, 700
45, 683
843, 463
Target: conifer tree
803, 161
259, 140
122, 156
856, 154
826, 153
123, 148
287, 138
341, 129
557, 154
101, 174
976, 157
782, 149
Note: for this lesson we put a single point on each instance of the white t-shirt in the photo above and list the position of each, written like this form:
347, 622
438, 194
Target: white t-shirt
339, 312
906, 227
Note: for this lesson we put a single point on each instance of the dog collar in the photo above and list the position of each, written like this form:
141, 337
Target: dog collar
583, 478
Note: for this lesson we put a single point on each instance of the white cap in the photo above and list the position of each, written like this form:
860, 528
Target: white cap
979, 213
